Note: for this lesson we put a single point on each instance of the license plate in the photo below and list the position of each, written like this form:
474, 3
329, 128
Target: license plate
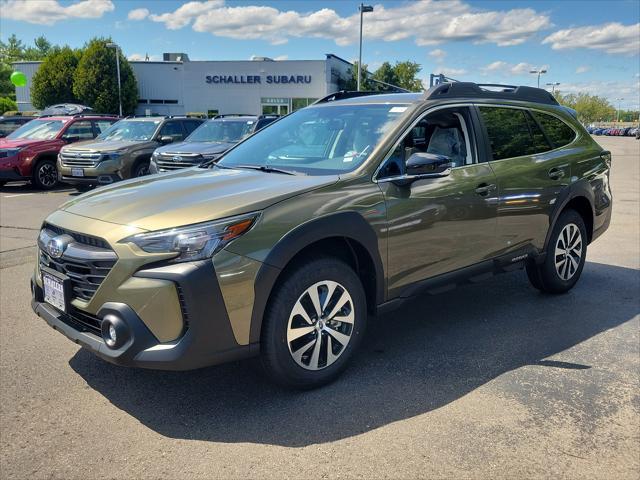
77, 172
54, 291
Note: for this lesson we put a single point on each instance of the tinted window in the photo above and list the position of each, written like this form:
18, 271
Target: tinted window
510, 134
172, 129
559, 133
540, 143
190, 126
130, 130
102, 125
8, 126
81, 129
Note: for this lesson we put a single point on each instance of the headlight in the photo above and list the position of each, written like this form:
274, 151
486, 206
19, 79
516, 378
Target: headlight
195, 242
210, 156
10, 152
111, 156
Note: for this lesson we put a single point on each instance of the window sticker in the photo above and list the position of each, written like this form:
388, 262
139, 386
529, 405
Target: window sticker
398, 109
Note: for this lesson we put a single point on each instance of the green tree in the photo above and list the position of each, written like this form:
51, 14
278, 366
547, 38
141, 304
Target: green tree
590, 108
53, 82
14, 50
386, 73
7, 104
351, 83
95, 82
406, 73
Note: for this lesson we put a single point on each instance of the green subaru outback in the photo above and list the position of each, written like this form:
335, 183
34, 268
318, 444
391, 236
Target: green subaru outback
285, 246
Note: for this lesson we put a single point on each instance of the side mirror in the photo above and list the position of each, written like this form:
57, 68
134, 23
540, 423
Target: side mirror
165, 139
71, 139
429, 165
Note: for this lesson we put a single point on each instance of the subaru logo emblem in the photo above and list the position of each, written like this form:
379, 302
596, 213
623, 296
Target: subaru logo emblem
177, 158
57, 246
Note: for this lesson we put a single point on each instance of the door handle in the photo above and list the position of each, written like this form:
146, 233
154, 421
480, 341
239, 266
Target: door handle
484, 189
556, 173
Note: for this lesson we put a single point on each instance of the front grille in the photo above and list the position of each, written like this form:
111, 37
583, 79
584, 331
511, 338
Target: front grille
85, 261
78, 237
82, 321
77, 159
169, 162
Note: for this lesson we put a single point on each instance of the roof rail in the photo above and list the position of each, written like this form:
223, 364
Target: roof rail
484, 90
110, 115
268, 115
344, 94
223, 115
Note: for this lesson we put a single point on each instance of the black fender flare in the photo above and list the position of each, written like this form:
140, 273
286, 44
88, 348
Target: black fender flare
581, 188
350, 225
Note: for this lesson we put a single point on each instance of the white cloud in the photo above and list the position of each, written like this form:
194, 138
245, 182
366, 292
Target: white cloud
438, 54
282, 57
138, 14
427, 22
610, 37
629, 91
48, 12
452, 71
582, 69
500, 67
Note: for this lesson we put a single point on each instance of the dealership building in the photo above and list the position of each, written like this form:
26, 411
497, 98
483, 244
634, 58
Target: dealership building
177, 86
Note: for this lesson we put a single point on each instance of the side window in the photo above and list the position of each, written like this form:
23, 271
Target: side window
445, 132
8, 126
263, 122
81, 129
510, 133
102, 125
190, 126
540, 143
172, 129
559, 133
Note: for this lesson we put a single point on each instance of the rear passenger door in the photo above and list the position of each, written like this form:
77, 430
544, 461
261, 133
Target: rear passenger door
530, 172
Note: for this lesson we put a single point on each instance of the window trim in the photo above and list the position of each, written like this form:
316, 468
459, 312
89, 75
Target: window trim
412, 125
518, 107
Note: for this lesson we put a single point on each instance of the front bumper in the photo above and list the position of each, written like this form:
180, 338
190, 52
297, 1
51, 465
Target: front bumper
10, 175
104, 173
208, 338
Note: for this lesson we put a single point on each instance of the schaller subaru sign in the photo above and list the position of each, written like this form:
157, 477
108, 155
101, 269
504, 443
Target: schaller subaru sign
257, 79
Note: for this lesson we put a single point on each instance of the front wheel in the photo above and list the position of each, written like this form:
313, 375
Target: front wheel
45, 175
565, 258
140, 170
315, 320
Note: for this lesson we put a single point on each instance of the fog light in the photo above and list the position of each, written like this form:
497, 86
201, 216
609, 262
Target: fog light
105, 179
115, 331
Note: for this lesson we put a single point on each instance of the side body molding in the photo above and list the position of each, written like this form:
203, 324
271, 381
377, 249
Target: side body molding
350, 225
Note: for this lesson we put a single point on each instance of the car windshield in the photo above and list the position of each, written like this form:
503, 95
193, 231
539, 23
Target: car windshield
130, 130
321, 140
221, 131
38, 130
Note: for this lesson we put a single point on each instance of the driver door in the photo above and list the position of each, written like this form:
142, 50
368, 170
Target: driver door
438, 225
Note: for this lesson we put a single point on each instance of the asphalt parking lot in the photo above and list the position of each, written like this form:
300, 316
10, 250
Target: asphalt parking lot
493, 380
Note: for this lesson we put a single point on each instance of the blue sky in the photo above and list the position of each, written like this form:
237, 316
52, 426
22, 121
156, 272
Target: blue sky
586, 45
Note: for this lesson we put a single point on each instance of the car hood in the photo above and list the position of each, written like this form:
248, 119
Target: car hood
190, 196
102, 146
195, 147
22, 142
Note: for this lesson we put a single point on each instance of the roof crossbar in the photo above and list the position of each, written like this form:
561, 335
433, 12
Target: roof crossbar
488, 90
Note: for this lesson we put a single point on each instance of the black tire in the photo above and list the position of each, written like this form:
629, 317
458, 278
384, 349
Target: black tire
546, 276
277, 359
140, 169
45, 175
2, 184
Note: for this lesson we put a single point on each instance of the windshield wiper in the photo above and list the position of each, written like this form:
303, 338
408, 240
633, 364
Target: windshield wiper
265, 168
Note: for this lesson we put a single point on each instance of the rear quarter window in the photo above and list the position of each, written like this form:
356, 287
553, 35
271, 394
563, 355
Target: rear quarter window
558, 132
512, 133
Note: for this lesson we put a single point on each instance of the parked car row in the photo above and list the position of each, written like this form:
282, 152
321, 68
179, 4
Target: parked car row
615, 131
86, 150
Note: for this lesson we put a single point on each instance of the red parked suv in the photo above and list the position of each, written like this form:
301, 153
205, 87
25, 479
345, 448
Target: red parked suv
30, 152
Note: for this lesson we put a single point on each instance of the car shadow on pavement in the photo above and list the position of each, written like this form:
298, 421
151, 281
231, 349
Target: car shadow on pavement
430, 352
26, 187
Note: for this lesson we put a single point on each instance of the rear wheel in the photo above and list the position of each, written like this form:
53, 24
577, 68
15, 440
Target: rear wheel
565, 258
45, 175
313, 323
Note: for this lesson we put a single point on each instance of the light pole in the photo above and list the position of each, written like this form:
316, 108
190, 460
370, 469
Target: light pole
553, 86
539, 72
363, 9
117, 49
618, 111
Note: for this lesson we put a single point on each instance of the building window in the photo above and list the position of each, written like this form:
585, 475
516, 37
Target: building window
298, 103
212, 113
143, 100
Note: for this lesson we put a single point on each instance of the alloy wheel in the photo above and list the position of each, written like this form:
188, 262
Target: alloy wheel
320, 325
47, 175
568, 253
